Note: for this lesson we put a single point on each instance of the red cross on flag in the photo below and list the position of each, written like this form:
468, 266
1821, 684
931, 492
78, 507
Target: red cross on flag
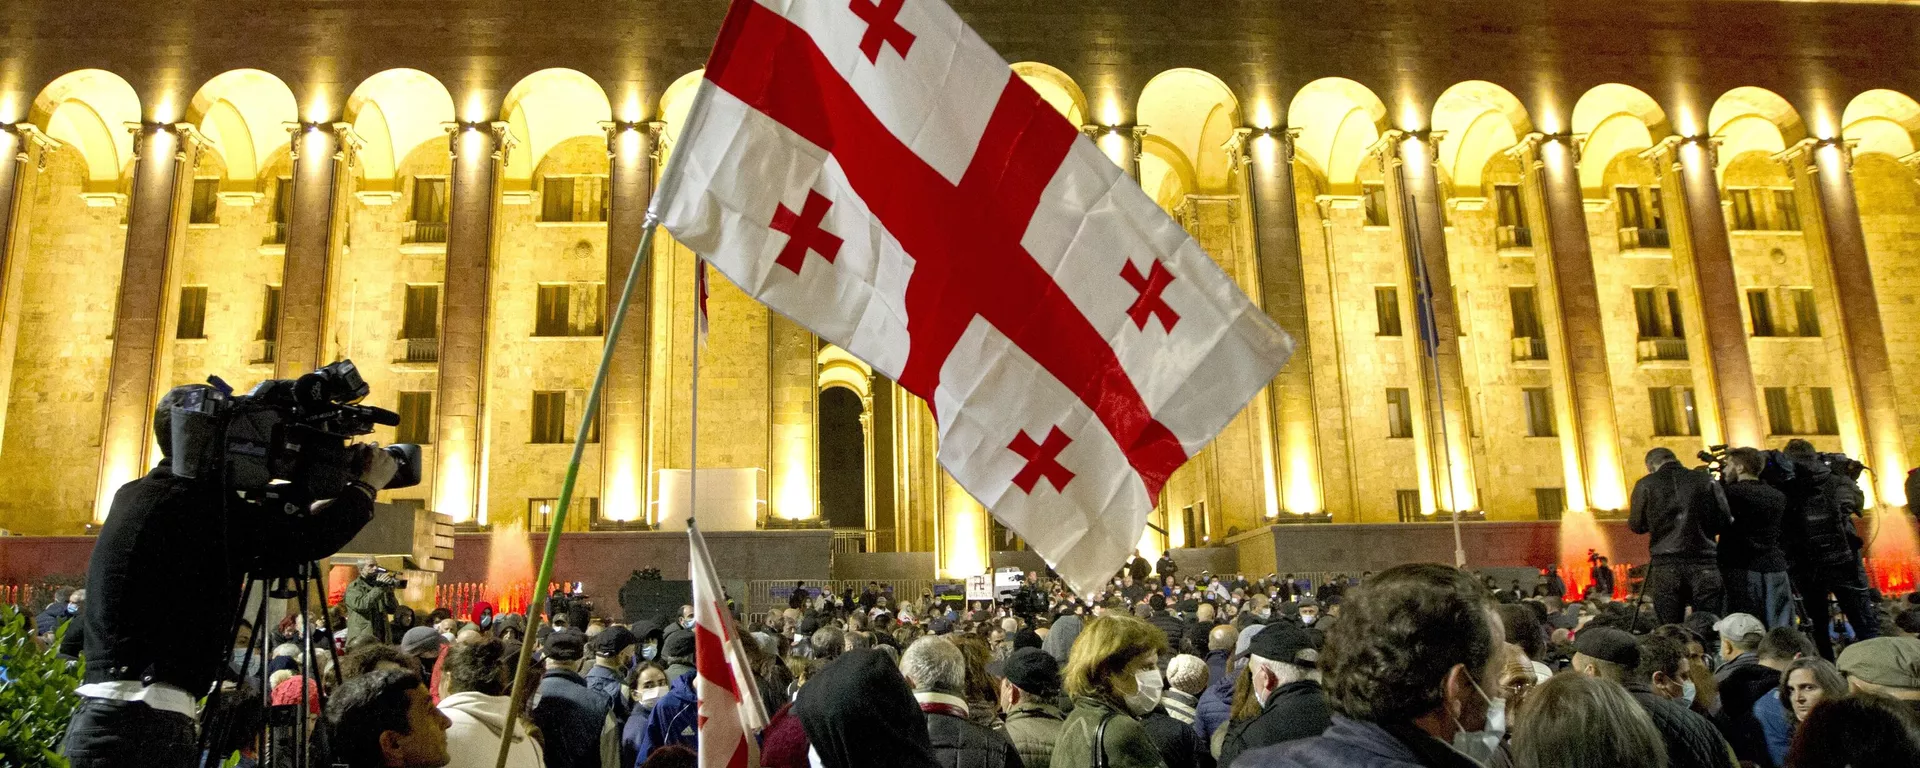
873, 170
730, 706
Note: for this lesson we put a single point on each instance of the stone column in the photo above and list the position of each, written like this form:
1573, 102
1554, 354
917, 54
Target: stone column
479, 150
1447, 476
1829, 171
1705, 261
18, 144
625, 462
1583, 387
162, 169
1121, 143
320, 154
1266, 156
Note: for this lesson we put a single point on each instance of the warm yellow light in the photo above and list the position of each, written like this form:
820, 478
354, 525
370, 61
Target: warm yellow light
1302, 479
1110, 111
793, 494
1114, 144
963, 541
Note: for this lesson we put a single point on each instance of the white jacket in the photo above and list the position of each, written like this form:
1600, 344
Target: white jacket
474, 737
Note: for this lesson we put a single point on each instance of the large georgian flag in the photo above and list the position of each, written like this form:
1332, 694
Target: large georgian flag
730, 706
873, 170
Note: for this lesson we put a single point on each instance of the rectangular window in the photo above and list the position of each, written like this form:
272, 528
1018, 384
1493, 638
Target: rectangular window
1626, 202
422, 318
282, 200
567, 309
1386, 310
206, 201
193, 313
1539, 402
429, 200
1656, 212
1408, 503
1399, 412
1550, 503
1646, 313
540, 513
550, 310
573, 198
1374, 204
1513, 231
1743, 213
1806, 313
270, 315
1786, 210
1779, 411
556, 198
1825, 420
1760, 312
1666, 418
416, 418
1526, 312
1689, 413
549, 417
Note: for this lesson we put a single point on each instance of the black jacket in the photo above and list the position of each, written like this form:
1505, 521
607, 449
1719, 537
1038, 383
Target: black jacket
1178, 742
1818, 526
1741, 688
1692, 741
1684, 510
570, 716
1753, 543
962, 743
164, 580
1294, 711
1171, 625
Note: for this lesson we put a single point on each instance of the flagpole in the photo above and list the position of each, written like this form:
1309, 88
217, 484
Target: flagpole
1430, 345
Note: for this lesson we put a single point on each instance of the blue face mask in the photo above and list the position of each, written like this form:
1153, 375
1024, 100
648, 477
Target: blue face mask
1687, 692
72, 609
648, 651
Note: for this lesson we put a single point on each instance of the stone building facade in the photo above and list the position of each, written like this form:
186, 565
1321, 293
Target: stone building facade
1518, 246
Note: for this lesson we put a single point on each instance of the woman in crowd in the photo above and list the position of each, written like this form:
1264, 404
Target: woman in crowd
1114, 679
1576, 721
1806, 683
1858, 730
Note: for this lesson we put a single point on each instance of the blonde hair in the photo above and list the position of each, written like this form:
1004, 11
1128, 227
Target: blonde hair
1104, 649
1555, 727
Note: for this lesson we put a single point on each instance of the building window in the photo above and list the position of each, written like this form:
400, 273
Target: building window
1825, 420
1529, 339
1779, 411
1386, 310
1806, 313
206, 201
573, 198
193, 313
1673, 411
416, 418
1399, 412
1760, 312
1657, 312
540, 512
1408, 502
1745, 218
269, 335
1512, 231
567, 309
1374, 204
1786, 211
1689, 410
1550, 503
550, 422
1626, 203
420, 325
429, 220
1539, 403
282, 210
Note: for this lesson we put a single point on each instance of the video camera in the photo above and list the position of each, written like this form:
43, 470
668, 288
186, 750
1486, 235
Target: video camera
288, 442
1779, 471
387, 578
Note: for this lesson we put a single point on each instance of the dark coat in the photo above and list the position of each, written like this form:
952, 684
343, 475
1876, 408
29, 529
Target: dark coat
1359, 744
1692, 741
1180, 746
570, 716
1216, 702
1683, 510
962, 743
1744, 686
1170, 624
1294, 711
1753, 543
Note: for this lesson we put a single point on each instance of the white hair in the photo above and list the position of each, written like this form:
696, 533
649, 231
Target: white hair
287, 649
934, 664
1287, 674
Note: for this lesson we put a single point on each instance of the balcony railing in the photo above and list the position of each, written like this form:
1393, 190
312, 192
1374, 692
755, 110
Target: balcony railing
849, 541
421, 350
1529, 348
1663, 349
1515, 236
266, 352
276, 233
1635, 238
426, 232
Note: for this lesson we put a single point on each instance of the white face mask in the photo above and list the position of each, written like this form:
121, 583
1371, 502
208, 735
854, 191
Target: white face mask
1687, 692
1152, 685
651, 695
1482, 744
1308, 619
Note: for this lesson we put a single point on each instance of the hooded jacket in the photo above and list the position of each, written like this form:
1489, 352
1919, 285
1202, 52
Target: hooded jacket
474, 736
1059, 641
858, 712
675, 718
1818, 526
1216, 703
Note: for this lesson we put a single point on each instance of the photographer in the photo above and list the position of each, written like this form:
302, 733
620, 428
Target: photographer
1752, 564
1683, 510
1822, 547
369, 599
165, 580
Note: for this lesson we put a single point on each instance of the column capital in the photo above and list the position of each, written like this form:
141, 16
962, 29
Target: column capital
1668, 148
348, 142
1386, 149
1239, 146
503, 138
33, 143
654, 128
1808, 152
1528, 148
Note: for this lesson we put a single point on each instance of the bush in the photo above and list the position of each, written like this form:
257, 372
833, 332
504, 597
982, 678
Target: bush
36, 693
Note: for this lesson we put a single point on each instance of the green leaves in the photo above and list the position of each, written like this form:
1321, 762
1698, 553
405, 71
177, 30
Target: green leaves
36, 693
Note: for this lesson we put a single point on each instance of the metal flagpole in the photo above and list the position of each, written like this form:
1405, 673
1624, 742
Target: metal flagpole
1430, 345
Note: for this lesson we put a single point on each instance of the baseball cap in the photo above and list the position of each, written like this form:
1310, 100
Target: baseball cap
1740, 627
940, 626
1890, 661
1282, 641
679, 645
565, 645
1609, 644
1029, 669
612, 640
422, 641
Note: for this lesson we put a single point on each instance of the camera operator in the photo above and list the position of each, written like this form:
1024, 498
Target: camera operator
1823, 548
1683, 510
165, 579
1752, 564
369, 600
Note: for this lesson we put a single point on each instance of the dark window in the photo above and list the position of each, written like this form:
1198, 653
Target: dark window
430, 200
193, 313
1374, 204
540, 512
1688, 410
1779, 411
1512, 232
1550, 503
270, 315
422, 320
1760, 312
573, 198
1786, 210
1666, 418
1408, 502
1656, 213
1539, 403
416, 418
206, 201
549, 417
1626, 201
1806, 313
1399, 412
1386, 310
567, 309
282, 200
1825, 420
1526, 312
1744, 216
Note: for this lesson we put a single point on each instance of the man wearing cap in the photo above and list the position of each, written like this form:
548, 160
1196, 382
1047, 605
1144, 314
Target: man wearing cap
1029, 686
1740, 635
1889, 666
423, 643
1283, 659
613, 651
1164, 620
573, 717
1683, 510
1755, 674
1613, 654
678, 649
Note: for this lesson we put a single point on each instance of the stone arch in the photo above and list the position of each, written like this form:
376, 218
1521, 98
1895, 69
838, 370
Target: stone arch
244, 113
1338, 119
393, 113
1193, 114
1748, 119
1614, 119
676, 101
1882, 121
87, 109
839, 368
1479, 120
1056, 88
546, 109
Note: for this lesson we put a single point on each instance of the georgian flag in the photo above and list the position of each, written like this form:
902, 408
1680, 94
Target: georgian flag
730, 706
873, 170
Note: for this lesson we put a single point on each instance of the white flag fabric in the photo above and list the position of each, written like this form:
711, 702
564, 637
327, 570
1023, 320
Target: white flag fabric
730, 706
875, 171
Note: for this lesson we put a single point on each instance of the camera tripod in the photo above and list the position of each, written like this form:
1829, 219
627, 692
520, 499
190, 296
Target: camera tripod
285, 739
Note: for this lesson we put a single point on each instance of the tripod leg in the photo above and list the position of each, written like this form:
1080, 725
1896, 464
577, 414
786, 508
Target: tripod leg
326, 620
300, 755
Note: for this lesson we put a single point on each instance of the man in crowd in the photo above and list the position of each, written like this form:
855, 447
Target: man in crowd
423, 644
1888, 666
1216, 702
1164, 620
1166, 566
1410, 668
1823, 546
678, 650
937, 673
613, 651
1751, 675
1029, 685
386, 719
1752, 565
1650, 668
479, 681
1283, 658
369, 601
1683, 510
571, 716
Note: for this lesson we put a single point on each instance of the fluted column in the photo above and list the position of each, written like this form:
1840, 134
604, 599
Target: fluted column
1705, 259
17, 148
626, 460
1583, 387
478, 152
162, 168
321, 155
1267, 157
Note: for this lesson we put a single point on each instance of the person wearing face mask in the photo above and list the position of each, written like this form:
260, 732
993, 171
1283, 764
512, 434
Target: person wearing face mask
1309, 611
1283, 659
614, 650
1653, 671
1029, 686
937, 672
1410, 675
649, 684
1114, 679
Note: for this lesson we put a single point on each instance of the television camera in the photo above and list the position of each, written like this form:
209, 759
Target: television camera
1779, 470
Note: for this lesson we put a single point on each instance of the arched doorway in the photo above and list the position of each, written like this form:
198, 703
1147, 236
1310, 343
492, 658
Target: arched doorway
843, 459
